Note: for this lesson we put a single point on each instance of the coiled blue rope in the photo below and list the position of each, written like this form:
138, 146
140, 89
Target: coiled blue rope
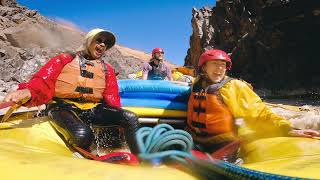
163, 142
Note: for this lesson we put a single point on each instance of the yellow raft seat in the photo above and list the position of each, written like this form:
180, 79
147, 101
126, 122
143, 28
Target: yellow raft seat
31, 149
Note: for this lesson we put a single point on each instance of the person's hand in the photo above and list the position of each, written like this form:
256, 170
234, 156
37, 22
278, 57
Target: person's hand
18, 95
304, 133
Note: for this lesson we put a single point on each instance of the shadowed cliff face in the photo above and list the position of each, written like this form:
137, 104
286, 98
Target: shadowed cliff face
274, 43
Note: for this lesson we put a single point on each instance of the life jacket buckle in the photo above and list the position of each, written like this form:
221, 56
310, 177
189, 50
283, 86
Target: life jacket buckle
84, 90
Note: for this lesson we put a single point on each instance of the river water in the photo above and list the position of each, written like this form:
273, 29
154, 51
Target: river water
307, 116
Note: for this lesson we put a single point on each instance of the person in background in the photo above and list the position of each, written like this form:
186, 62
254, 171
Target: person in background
155, 69
85, 91
217, 100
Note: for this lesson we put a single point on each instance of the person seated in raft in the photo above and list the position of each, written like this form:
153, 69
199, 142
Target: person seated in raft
216, 100
156, 69
85, 91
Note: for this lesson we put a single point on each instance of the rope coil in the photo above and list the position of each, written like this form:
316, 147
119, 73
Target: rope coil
162, 142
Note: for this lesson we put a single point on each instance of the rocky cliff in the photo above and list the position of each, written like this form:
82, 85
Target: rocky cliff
28, 40
273, 43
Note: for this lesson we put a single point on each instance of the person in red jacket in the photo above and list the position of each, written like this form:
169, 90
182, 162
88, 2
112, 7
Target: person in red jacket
85, 91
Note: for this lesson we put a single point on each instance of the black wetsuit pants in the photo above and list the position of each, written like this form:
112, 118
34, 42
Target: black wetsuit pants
73, 123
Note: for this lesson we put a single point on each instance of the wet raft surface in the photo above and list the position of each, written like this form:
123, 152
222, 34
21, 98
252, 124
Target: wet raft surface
34, 144
31, 149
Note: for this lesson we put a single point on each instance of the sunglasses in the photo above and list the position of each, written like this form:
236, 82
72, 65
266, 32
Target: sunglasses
101, 40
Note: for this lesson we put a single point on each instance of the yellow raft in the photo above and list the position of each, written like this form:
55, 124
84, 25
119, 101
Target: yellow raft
31, 149
290, 156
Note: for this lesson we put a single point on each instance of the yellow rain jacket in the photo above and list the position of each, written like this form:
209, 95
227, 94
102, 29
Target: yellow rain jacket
176, 75
254, 119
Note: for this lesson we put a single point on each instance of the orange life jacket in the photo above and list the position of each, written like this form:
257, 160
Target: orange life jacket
208, 116
82, 80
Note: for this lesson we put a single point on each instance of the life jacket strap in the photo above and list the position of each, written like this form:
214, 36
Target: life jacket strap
199, 97
86, 74
84, 90
83, 62
198, 124
199, 109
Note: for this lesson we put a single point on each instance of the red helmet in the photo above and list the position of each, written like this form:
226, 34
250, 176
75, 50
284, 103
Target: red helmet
157, 50
214, 54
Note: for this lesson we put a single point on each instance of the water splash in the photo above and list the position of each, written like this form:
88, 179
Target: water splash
307, 118
109, 139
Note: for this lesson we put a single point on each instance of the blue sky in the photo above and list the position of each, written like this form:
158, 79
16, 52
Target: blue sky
140, 24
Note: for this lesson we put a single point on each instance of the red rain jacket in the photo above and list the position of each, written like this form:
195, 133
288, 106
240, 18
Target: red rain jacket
42, 84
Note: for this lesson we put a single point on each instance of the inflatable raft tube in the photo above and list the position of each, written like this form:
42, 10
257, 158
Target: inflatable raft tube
155, 95
153, 103
31, 149
157, 112
289, 156
152, 86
